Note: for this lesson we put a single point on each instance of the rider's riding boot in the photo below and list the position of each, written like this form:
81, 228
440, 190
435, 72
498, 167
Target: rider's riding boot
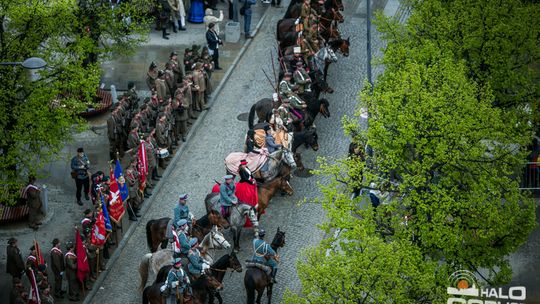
274, 271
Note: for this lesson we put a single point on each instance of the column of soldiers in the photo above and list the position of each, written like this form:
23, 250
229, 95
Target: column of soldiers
177, 92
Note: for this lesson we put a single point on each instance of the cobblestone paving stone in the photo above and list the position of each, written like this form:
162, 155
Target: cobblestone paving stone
220, 134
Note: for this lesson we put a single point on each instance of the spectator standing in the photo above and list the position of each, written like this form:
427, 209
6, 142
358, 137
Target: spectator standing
210, 18
213, 41
14, 263
32, 194
79, 166
57, 267
247, 17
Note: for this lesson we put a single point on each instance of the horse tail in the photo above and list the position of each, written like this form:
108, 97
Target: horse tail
251, 115
145, 295
143, 270
149, 234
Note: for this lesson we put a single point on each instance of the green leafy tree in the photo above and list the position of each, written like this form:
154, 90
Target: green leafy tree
447, 162
38, 111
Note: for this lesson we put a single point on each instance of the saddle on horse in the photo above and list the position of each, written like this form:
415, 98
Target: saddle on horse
253, 264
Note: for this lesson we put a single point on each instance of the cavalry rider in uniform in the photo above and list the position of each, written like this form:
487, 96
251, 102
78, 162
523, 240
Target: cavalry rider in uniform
177, 282
264, 254
181, 211
196, 263
226, 195
183, 238
302, 79
286, 91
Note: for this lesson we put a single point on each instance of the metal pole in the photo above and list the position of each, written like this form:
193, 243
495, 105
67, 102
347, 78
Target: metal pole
368, 24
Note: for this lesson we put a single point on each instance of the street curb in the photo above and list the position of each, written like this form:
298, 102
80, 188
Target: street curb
27, 230
101, 278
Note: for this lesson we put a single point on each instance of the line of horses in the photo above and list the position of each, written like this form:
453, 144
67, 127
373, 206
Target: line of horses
209, 228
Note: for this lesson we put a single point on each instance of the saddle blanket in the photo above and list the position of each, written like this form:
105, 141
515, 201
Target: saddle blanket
255, 161
266, 269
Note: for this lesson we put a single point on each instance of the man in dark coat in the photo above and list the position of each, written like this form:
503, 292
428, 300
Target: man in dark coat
14, 263
213, 41
70, 260
32, 194
80, 165
57, 267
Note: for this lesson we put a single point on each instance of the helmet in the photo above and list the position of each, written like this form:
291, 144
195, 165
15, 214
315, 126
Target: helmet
262, 233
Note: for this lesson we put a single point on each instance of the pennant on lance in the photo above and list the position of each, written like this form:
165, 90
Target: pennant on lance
142, 165
99, 232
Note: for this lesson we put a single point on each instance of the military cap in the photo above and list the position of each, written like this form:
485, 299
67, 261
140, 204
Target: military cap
12, 241
177, 261
183, 196
87, 212
69, 245
16, 281
262, 232
173, 53
228, 176
187, 50
286, 100
299, 63
193, 242
106, 178
195, 47
181, 222
131, 84
33, 248
55, 241
80, 150
160, 73
198, 65
266, 128
153, 65
288, 74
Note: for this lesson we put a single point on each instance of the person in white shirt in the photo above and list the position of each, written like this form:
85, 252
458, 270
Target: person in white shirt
210, 18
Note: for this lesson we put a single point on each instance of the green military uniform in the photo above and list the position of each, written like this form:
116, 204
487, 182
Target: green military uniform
181, 107
176, 69
151, 77
200, 87
302, 79
70, 260
162, 89
285, 91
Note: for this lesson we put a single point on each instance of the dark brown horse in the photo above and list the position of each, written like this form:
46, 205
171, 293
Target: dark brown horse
219, 269
308, 138
204, 286
156, 229
256, 279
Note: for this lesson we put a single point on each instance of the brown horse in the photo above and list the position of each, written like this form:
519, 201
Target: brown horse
308, 138
204, 286
156, 229
267, 191
256, 279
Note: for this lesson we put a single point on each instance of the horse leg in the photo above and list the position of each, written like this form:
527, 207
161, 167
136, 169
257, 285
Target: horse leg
218, 296
259, 295
328, 89
269, 292
164, 243
238, 232
236, 241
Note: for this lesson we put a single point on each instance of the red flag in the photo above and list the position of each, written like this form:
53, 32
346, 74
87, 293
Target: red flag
33, 295
99, 232
39, 256
116, 206
142, 165
82, 261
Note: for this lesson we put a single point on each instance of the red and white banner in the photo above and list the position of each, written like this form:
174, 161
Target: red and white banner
176, 243
116, 206
99, 233
39, 255
83, 269
33, 295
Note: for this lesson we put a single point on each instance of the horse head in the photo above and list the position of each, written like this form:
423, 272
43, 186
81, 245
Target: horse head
234, 263
312, 138
324, 108
288, 158
279, 239
344, 47
212, 283
217, 219
285, 185
218, 241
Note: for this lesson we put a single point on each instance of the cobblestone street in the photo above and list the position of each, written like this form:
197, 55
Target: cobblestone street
221, 133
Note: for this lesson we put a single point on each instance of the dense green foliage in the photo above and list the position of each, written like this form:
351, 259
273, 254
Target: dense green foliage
449, 126
37, 113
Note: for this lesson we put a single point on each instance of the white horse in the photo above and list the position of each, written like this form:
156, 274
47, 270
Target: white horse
214, 240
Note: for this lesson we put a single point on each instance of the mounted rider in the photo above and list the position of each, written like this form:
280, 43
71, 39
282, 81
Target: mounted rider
181, 212
246, 176
286, 91
302, 79
197, 264
180, 239
177, 282
264, 254
227, 198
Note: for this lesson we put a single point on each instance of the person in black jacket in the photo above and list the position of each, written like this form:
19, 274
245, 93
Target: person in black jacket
213, 41
251, 145
245, 174
14, 264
